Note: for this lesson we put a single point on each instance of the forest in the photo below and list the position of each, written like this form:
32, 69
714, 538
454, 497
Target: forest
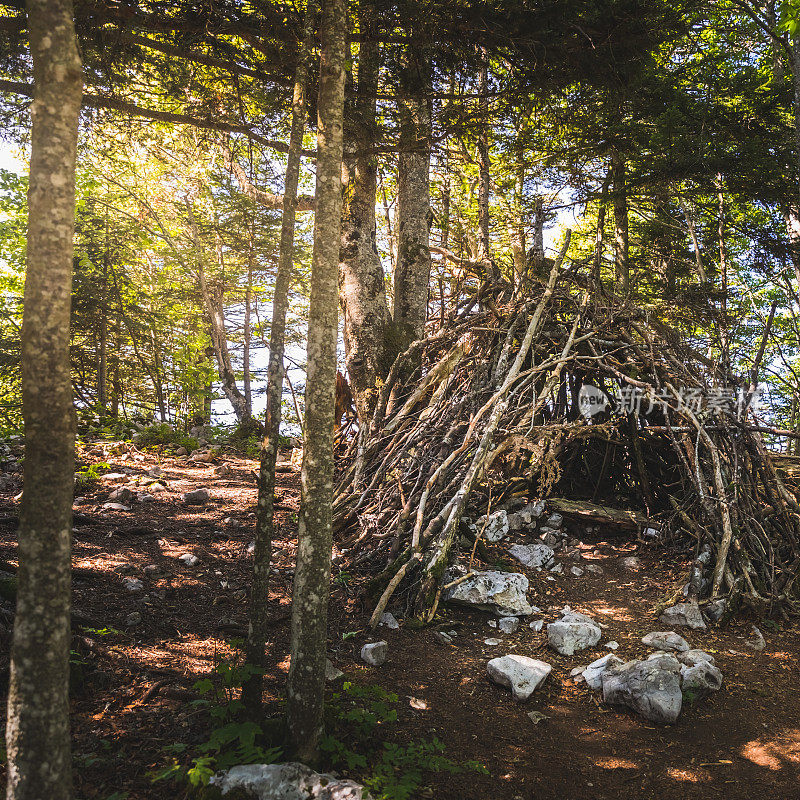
399, 400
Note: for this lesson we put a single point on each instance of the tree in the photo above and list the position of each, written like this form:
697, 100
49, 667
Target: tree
362, 289
259, 590
306, 680
37, 730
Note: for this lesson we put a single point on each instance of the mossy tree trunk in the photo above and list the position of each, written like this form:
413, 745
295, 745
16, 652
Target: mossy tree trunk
362, 291
37, 729
413, 268
306, 682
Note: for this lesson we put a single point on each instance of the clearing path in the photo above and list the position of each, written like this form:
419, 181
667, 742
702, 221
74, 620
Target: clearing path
161, 588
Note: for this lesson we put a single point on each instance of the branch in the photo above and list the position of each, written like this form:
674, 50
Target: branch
266, 199
115, 104
771, 32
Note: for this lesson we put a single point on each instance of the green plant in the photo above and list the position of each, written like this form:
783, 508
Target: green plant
90, 474
359, 715
231, 741
343, 579
162, 434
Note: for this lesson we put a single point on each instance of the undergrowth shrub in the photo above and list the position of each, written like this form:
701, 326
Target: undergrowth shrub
359, 722
162, 434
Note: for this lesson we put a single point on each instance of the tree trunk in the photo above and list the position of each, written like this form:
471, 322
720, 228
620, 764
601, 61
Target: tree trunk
102, 361
484, 248
619, 189
601, 227
212, 300
306, 682
37, 728
248, 302
518, 244
777, 54
262, 556
362, 292
413, 268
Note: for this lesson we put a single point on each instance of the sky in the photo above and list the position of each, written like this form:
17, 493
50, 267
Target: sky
9, 159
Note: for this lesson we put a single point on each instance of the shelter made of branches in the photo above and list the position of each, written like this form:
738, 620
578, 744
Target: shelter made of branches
497, 398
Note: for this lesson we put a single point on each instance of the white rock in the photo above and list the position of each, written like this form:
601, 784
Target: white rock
508, 624
532, 511
593, 674
374, 653
198, 497
491, 642
290, 781
331, 672
115, 507
650, 688
631, 562
122, 495
683, 614
113, 476
492, 623
558, 569
668, 641
573, 632
505, 593
702, 678
716, 608
555, 521
521, 674
389, 621
537, 555
757, 642
497, 526
576, 572
692, 657
132, 584
595, 569
612, 645
190, 559
537, 625
576, 671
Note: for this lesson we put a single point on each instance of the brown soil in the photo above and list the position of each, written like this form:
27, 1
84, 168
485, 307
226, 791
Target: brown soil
136, 700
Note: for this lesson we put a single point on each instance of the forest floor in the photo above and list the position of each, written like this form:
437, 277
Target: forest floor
743, 742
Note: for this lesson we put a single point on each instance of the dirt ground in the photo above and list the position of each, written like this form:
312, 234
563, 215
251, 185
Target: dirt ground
135, 699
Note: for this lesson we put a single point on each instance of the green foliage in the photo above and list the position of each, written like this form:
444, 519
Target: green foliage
231, 741
90, 474
358, 720
162, 434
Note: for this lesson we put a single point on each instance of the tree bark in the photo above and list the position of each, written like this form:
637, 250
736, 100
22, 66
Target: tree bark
247, 334
620, 192
265, 527
37, 729
306, 682
362, 291
413, 268
517, 232
212, 299
484, 247
601, 227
